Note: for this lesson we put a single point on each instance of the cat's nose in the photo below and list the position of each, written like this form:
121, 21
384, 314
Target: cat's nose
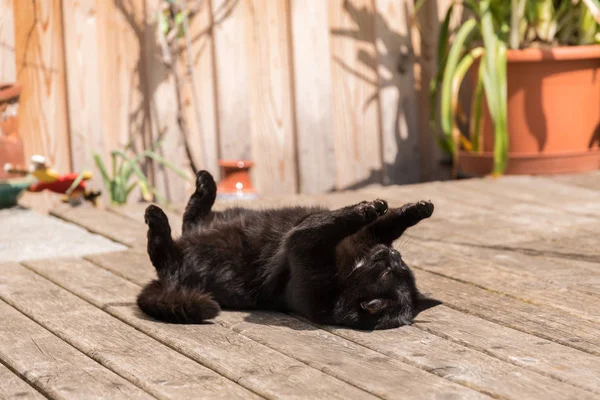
395, 256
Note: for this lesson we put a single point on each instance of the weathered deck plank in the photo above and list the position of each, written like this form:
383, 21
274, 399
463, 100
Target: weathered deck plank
544, 356
133, 264
535, 190
462, 364
259, 368
534, 279
362, 367
14, 387
53, 366
475, 369
588, 180
141, 360
105, 223
540, 320
135, 212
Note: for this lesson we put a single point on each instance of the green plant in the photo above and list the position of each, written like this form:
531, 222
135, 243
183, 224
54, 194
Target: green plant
127, 174
492, 27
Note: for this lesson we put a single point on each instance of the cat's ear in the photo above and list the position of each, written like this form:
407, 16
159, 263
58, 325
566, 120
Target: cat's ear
424, 302
374, 306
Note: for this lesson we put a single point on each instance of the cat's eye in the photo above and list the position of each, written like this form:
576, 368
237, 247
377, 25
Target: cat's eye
374, 306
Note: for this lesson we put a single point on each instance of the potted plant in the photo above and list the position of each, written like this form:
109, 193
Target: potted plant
535, 99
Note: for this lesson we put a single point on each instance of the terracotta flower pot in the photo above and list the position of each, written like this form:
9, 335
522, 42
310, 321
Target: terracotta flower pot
553, 113
11, 146
235, 180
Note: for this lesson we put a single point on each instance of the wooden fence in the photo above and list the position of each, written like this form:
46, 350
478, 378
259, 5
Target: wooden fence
322, 95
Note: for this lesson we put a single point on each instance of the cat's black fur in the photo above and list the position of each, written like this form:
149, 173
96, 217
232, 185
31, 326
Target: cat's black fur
333, 267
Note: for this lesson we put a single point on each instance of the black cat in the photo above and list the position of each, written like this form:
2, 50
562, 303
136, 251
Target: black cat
332, 267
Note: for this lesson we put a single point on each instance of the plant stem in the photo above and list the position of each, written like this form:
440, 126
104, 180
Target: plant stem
517, 14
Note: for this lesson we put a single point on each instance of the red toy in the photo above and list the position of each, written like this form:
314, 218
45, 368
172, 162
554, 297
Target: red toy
49, 179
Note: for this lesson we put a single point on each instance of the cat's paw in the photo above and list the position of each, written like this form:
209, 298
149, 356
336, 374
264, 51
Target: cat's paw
420, 210
372, 209
381, 206
205, 184
155, 217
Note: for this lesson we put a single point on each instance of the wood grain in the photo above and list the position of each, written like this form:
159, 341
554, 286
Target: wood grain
82, 63
461, 364
43, 113
105, 223
138, 268
539, 320
534, 190
313, 99
52, 366
231, 62
546, 357
399, 122
270, 95
135, 212
252, 365
14, 387
357, 134
161, 90
152, 366
125, 108
537, 280
8, 72
203, 130
361, 367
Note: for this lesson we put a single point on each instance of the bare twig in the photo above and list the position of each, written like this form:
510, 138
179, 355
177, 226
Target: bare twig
169, 46
192, 83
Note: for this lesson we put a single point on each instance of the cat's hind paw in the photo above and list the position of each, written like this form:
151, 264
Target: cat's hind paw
205, 183
155, 217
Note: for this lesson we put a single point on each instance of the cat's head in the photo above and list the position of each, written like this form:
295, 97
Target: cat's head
380, 292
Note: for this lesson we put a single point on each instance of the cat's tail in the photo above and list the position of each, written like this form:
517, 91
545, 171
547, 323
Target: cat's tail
177, 305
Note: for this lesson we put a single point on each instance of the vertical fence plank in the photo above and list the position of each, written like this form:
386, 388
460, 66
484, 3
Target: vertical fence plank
124, 112
162, 95
83, 84
124, 108
43, 120
355, 93
8, 71
271, 119
204, 129
313, 96
425, 45
399, 123
232, 78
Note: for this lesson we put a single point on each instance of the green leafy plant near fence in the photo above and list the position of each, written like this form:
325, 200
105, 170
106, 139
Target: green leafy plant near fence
492, 27
127, 173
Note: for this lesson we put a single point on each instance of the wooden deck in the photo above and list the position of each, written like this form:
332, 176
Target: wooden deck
515, 261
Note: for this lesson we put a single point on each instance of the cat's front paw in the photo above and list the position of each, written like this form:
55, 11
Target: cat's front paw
155, 217
372, 209
420, 210
205, 184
